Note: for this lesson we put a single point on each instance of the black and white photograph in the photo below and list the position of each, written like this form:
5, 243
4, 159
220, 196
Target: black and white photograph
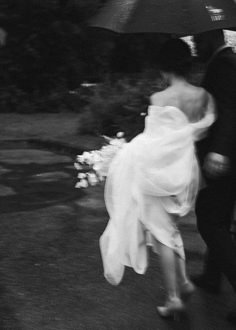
118, 164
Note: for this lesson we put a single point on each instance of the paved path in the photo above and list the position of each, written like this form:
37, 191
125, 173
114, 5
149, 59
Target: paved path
50, 267
32, 178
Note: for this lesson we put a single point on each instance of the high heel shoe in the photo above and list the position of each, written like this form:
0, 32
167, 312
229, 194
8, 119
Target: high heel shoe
186, 291
173, 308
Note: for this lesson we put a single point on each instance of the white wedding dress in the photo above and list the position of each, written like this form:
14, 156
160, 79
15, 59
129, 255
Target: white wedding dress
151, 181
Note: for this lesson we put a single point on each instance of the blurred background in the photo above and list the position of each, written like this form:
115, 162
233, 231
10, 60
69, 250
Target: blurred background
53, 62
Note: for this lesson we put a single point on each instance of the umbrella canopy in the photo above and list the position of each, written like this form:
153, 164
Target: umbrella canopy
179, 17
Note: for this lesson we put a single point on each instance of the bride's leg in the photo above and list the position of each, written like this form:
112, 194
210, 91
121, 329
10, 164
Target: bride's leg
181, 270
185, 285
169, 269
174, 304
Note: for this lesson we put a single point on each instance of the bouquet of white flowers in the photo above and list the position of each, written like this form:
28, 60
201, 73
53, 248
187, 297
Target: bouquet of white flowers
93, 166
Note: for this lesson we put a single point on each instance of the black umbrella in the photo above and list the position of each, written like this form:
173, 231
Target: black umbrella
179, 17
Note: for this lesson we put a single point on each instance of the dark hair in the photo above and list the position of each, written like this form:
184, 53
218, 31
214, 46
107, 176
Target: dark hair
175, 57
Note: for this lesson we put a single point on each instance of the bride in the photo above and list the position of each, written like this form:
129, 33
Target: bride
154, 179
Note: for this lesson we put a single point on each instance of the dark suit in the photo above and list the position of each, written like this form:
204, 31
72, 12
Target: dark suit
215, 203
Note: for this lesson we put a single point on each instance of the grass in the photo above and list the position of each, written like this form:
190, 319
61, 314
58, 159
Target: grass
59, 127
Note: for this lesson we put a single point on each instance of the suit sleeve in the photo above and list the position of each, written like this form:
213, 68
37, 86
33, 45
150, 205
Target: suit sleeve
224, 134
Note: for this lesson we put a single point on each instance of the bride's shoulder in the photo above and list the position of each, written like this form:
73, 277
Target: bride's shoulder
160, 98
201, 94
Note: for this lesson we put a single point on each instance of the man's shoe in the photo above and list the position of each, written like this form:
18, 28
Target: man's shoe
231, 317
204, 283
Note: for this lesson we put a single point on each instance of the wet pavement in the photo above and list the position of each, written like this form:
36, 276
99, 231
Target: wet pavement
32, 178
50, 266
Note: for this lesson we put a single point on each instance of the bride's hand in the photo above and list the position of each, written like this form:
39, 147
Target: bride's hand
216, 165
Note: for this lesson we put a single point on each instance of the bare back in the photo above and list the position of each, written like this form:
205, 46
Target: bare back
193, 101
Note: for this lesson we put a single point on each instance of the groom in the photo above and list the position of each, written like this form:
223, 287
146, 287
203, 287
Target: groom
217, 155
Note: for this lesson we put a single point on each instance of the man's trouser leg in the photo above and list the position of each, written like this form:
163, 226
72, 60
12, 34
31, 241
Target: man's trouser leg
214, 209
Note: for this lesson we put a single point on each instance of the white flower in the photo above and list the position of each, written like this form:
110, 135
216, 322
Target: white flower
98, 161
81, 176
86, 155
78, 166
97, 167
83, 183
80, 159
120, 134
92, 179
97, 157
77, 185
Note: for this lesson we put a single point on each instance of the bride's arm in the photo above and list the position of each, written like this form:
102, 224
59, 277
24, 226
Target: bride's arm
211, 106
200, 127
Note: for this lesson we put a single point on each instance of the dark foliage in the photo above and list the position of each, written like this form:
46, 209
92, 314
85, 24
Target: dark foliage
50, 50
47, 52
119, 105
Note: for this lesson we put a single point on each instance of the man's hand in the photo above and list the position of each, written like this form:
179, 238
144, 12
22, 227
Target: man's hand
216, 165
